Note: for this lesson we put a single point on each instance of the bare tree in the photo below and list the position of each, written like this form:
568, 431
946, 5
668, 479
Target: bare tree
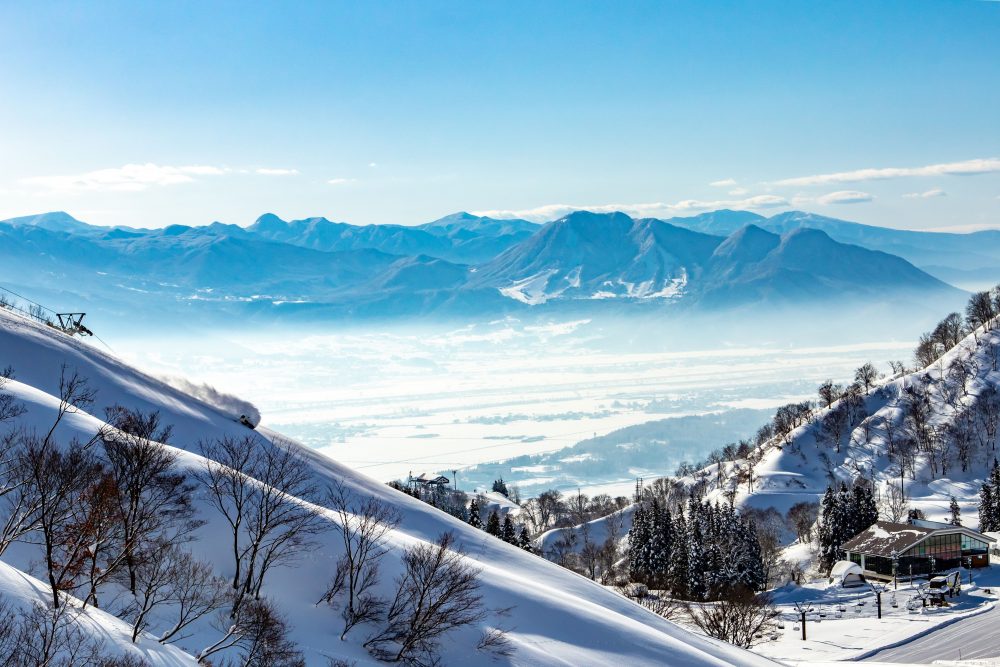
195, 592
47, 636
153, 498
260, 635
364, 525
18, 503
260, 489
611, 551
867, 375
75, 393
834, 425
829, 393
980, 310
437, 593
986, 411
550, 508
740, 618
96, 517
10, 407
893, 506
801, 517
170, 579
57, 482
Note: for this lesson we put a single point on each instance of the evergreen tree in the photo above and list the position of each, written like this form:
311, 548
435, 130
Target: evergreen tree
499, 486
697, 588
750, 570
658, 546
493, 524
989, 501
638, 545
680, 573
507, 533
862, 511
524, 540
475, 515
665, 534
986, 518
829, 530
956, 512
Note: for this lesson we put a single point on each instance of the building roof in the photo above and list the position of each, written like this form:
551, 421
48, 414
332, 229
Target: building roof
884, 537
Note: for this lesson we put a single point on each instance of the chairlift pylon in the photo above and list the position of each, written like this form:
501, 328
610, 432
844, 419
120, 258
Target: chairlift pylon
72, 324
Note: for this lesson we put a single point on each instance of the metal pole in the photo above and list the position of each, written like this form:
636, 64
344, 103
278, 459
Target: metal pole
803, 626
878, 600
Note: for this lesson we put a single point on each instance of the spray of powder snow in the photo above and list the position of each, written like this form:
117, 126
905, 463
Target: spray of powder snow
227, 403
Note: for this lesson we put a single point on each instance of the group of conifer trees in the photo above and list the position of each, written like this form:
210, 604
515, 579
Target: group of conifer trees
702, 552
501, 529
844, 513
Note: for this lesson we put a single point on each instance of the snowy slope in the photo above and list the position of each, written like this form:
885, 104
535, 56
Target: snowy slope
801, 467
22, 591
559, 618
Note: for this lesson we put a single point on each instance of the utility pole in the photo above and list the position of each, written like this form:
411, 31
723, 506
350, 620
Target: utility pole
454, 478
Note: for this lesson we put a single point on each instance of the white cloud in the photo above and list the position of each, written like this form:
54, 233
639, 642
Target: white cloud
965, 168
724, 183
927, 194
372, 165
738, 192
650, 210
128, 178
342, 181
264, 171
845, 197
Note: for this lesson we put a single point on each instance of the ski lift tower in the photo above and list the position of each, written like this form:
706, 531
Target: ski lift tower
72, 324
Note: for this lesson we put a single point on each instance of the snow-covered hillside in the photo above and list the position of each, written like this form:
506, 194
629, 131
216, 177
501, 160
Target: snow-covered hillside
556, 617
946, 453
802, 465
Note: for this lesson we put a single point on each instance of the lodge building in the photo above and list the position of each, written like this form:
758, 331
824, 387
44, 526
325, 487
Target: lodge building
917, 548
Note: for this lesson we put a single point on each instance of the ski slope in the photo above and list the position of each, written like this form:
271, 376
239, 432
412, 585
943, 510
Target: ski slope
557, 617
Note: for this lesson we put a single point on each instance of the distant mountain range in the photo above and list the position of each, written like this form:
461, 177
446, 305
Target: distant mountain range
971, 260
470, 264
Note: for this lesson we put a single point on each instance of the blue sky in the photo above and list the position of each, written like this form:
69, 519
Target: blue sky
400, 112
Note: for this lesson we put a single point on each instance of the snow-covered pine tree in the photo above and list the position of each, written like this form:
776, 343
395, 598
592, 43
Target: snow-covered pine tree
665, 541
656, 551
750, 570
697, 588
986, 519
956, 512
638, 544
680, 572
493, 524
499, 486
829, 530
524, 540
475, 515
507, 533
989, 501
862, 511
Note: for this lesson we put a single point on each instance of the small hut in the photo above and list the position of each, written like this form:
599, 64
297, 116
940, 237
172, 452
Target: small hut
847, 574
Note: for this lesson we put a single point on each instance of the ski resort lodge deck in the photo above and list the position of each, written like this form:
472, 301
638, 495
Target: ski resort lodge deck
916, 549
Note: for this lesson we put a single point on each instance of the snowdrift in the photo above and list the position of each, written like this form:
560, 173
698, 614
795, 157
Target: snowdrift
557, 617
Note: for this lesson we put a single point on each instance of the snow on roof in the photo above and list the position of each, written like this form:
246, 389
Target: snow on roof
884, 537
844, 567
